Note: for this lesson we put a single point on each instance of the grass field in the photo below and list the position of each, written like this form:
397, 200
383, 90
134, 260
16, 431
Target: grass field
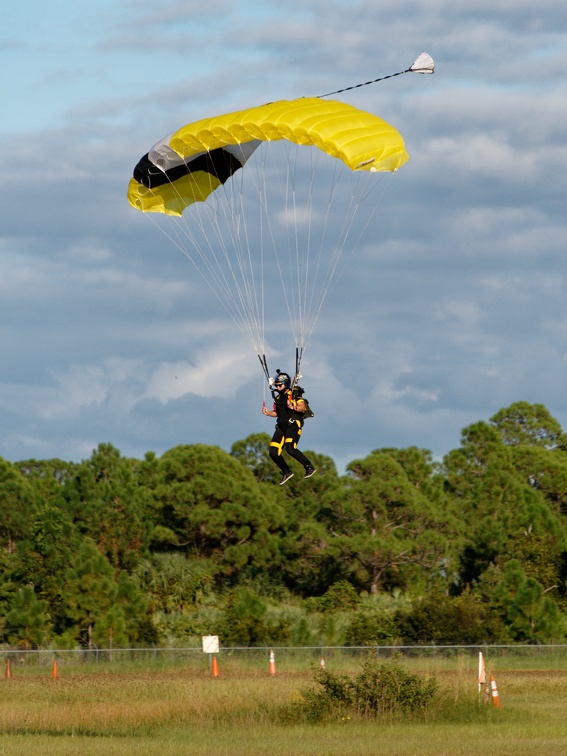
105, 709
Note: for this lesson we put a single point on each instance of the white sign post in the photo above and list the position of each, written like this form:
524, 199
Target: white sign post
211, 647
210, 644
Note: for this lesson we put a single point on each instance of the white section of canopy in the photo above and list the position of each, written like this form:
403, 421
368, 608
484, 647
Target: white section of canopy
164, 158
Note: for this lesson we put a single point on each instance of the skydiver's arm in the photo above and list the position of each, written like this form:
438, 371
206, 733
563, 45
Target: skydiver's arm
266, 411
297, 405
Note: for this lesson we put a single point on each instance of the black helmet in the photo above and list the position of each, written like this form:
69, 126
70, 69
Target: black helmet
282, 378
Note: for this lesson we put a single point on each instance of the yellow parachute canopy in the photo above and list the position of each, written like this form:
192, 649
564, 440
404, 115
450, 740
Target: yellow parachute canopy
187, 166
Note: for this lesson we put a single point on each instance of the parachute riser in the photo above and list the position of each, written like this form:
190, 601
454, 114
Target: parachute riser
264, 365
271, 381
298, 358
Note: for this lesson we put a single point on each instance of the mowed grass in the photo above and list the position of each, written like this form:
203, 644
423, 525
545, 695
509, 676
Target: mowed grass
115, 709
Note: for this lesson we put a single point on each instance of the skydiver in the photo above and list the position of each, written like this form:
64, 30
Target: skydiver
289, 408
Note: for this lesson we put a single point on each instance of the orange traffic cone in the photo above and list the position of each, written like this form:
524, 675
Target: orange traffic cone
8, 670
272, 663
215, 667
494, 691
322, 662
54, 670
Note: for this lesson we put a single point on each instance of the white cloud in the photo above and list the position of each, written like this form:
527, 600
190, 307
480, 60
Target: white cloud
217, 372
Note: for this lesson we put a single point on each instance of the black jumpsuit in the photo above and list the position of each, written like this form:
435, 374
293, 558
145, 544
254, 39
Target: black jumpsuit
288, 432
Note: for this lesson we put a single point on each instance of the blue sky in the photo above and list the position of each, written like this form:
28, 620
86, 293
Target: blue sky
454, 308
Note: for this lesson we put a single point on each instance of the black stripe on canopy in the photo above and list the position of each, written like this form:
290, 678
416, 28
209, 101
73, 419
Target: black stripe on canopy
218, 163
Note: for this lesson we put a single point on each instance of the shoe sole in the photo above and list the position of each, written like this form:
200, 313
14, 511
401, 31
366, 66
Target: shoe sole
283, 482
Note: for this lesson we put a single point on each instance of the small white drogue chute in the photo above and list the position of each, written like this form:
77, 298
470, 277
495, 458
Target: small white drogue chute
423, 64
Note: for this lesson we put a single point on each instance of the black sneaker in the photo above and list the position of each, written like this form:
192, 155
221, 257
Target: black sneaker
285, 477
309, 471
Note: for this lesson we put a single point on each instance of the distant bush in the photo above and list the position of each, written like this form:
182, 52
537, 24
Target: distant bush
371, 628
446, 620
340, 597
380, 690
247, 623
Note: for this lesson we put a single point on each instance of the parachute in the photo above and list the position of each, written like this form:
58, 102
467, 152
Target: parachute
187, 166
270, 198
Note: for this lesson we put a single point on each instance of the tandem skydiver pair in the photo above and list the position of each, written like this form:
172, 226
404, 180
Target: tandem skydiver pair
290, 409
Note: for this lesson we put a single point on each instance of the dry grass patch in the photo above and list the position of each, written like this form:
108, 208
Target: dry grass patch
130, 703
113, 710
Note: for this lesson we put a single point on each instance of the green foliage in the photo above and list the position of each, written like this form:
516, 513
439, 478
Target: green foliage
18, 503
246, 622
545, 471
341, 596
530, 614
96, 602
372, 627
47, 476
388, 526
308, 560
216, 509
379, 690
109, 505
252, 453
503, 508
531, 424
504, 512
27, 621
445, 620
44, 557
174, 582
302, 634
114, 550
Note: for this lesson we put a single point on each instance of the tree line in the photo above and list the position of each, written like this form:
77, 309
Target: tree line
116, 551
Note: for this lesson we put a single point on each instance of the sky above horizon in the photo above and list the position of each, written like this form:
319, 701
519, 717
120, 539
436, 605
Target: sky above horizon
453, 308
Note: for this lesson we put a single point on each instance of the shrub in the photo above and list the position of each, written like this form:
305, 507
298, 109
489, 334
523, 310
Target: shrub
380, 690
449, 620
372, 628
341, 596
247, 622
